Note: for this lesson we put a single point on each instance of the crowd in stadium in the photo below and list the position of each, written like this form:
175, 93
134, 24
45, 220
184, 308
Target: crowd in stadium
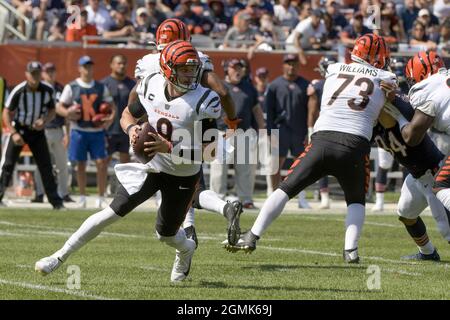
258, 24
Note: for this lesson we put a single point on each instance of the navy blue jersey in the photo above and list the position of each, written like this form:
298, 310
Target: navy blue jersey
417, 160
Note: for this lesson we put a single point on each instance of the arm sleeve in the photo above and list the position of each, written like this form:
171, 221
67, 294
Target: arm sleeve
136, 109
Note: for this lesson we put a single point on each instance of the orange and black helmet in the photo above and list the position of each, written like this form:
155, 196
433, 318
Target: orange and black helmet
372, 49
422, 65
171, 30
175, 55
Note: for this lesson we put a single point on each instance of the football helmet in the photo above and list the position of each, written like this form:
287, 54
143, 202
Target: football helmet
323, 64
371, 49
171, 30
180, 65
422, 65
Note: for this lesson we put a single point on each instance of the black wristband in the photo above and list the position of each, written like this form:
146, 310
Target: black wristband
129, 128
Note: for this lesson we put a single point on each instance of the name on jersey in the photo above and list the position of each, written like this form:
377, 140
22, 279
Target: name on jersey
166, 114
359, 69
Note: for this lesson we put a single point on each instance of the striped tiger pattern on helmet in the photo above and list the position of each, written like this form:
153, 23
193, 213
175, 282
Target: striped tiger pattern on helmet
176, 54
371, 49
171, 30
422, 65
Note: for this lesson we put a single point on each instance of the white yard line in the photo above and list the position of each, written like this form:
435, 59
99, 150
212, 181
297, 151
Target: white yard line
66, 231
77, 293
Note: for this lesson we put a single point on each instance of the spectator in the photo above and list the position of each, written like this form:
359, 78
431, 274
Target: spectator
75, 32
221, 22
286, 15
253, 9
99, 16
444, 39
122, 27
29, 107
270, 36
154, 15
142, 26
305, 11
354, 30
332, 32
420, 38
56, 32
431, 24
309, 33
80, 103
396, 27
240, 35
110, 5
441, 9
232, 7
195, 23
409, 14
119, 85
286, 103
387, 31
56, 140
333, 9
247, 108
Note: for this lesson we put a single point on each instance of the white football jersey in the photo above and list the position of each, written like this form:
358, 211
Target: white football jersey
352, 98
176, 118
432, 97
149, 64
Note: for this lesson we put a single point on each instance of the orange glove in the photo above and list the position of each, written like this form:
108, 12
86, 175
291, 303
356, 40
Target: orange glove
232, 124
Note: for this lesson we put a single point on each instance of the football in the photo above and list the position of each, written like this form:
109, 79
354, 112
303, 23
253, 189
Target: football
105, 108
138, 147
97, 120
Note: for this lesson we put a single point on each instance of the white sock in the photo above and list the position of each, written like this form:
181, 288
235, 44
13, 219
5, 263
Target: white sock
209, 200
190, 218
354, 223
325, 197
437, 205
379, 198
178, 241
82, 198
271, 209
427, 249
90, 228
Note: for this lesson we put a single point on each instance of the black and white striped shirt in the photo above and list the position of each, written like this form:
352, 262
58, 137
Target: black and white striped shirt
30, 105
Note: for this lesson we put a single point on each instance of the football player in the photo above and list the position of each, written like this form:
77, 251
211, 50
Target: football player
168, 31
430, 97
422, 162
171, 100
352, 99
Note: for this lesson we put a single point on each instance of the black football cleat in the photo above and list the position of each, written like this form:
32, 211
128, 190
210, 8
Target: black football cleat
351, 256
68, 198
38, 199
233, 212
421, 256
191, 234
246, 243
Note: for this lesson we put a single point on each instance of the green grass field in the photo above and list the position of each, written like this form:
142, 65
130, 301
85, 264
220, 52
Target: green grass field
298, 258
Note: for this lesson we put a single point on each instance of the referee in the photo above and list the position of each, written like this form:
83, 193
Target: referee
29, 107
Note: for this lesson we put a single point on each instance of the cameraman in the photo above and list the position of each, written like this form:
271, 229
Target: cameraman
286, 103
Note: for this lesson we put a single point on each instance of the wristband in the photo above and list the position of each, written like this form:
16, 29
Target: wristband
402, 122
129, 128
